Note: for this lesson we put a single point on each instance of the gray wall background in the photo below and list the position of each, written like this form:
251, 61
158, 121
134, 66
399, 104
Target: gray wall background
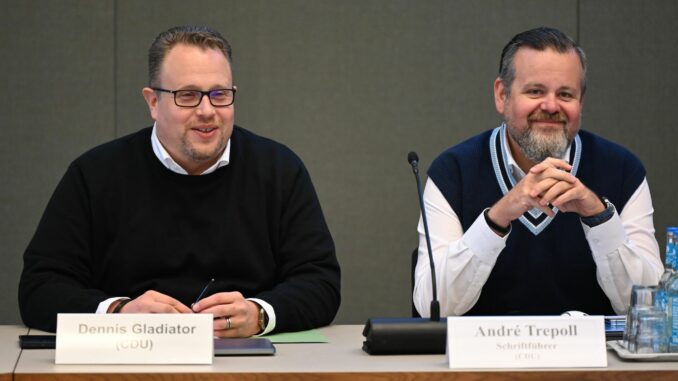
351, 86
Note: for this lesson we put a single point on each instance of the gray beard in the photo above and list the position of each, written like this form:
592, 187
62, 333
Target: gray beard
538, 147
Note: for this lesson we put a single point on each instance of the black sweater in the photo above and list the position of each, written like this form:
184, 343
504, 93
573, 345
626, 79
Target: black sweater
119, 223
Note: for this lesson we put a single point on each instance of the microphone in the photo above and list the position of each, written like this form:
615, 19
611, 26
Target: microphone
413, 159
393, 336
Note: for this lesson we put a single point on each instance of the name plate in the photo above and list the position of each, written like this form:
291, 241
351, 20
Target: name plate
526, 342
134, 339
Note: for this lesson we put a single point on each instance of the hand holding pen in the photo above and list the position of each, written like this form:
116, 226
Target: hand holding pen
234, 316
202, 293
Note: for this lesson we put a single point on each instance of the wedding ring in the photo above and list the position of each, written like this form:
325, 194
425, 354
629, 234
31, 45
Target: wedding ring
228, 323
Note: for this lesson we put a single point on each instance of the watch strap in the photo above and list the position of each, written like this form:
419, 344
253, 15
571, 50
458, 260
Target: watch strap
601, 217
493, 225
121, 304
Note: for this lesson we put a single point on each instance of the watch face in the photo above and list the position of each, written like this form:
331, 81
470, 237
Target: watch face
262, 319
607, 203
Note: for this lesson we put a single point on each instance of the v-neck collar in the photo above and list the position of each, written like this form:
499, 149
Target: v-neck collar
534, 220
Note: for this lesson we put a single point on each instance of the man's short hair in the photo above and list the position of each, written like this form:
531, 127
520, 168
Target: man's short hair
200, 36
538, 39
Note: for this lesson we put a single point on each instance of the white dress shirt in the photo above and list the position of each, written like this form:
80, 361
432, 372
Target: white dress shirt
164, 157
624, 249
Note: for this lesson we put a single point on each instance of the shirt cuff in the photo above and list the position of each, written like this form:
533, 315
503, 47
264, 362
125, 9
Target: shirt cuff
269, 311
103, 306
483, 241
606, 237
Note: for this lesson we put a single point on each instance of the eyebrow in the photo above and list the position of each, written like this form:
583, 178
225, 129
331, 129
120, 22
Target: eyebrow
195, 87
540, 85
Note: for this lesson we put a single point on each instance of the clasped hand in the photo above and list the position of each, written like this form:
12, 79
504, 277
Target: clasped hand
547, 184
242, 313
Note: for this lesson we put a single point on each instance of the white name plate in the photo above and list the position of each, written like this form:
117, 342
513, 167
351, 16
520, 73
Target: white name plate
526, 342
134, 339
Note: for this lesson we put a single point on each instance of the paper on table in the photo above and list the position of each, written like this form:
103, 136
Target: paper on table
310, 336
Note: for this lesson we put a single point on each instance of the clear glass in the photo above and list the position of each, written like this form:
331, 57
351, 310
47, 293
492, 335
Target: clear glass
651, 332
642, 299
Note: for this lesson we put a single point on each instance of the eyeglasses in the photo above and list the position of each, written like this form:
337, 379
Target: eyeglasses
192, 98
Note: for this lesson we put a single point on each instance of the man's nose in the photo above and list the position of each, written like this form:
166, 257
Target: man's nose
205, 107
550, 104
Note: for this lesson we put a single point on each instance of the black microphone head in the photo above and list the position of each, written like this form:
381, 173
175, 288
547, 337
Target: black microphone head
412, 157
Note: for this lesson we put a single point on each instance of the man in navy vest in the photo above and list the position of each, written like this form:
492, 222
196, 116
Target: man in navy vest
537, 216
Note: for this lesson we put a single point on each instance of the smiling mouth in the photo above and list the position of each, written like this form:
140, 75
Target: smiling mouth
548, 121
205, 129
547, 118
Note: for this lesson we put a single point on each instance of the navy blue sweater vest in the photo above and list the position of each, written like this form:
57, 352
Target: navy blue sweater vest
553, 270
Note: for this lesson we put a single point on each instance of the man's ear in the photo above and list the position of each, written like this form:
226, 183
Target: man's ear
151, 98
499, 96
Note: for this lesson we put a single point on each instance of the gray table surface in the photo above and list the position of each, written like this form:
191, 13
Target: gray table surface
342, 354
9, 348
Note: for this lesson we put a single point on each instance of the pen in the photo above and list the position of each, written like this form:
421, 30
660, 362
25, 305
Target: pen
204, 290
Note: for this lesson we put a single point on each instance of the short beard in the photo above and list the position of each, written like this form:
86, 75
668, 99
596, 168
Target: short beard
200, 156
537, 147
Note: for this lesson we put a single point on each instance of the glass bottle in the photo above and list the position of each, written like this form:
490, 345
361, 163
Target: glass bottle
669, 267
670, 288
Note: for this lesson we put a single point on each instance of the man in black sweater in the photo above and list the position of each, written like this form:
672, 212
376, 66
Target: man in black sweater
143, 223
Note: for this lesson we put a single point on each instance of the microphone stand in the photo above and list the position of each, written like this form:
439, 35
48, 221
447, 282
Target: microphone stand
391, 336
435, 305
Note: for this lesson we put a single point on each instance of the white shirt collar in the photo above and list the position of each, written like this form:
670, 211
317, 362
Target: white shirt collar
518, 173
172, 165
